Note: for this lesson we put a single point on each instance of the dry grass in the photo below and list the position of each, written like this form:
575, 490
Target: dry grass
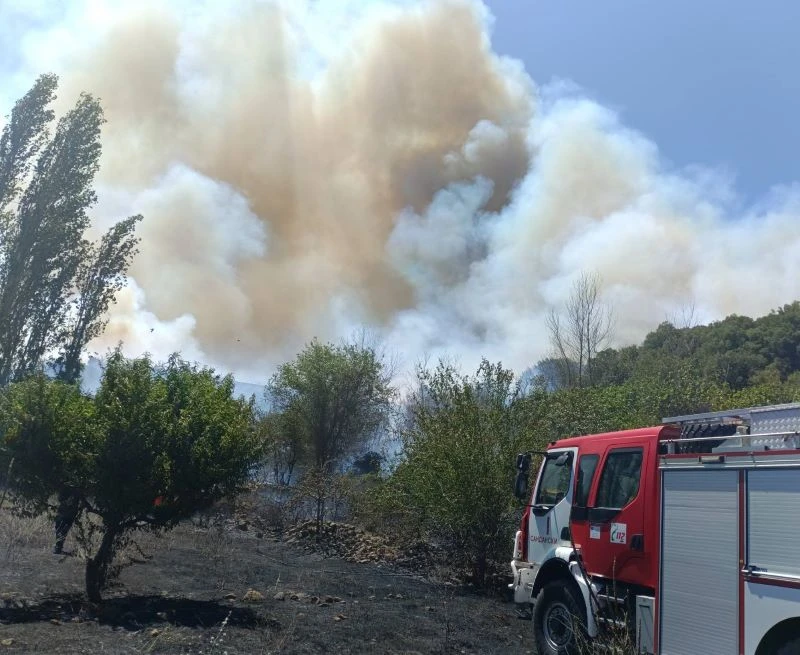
613, 644
614, 640
215, 546
18, 536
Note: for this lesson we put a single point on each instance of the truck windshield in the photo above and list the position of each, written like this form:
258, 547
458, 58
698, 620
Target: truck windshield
554, 483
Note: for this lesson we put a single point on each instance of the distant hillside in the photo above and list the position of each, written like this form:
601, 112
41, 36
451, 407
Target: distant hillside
737, 351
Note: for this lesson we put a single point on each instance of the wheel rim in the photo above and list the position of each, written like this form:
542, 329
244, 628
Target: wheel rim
557, 626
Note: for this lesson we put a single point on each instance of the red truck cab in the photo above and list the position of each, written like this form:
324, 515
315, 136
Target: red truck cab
615, 504
610, 516
594, 517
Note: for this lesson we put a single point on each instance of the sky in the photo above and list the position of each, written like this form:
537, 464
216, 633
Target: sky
712, 82
439, 172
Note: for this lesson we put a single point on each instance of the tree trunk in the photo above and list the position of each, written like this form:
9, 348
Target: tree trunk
97, 566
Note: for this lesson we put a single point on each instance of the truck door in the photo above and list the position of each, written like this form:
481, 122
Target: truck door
549, 518
615, 545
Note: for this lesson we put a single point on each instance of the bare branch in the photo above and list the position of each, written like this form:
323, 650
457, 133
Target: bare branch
584, 328
686, 316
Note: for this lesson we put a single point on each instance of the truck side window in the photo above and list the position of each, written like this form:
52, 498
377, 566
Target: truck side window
554, 483
586, 468
619, 482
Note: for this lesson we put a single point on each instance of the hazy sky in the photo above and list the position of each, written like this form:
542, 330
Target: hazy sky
711, 81
439, 171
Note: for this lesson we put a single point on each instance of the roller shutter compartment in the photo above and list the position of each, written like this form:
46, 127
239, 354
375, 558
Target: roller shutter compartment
700, 562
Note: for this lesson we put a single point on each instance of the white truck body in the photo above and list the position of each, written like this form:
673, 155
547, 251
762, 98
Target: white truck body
730, 552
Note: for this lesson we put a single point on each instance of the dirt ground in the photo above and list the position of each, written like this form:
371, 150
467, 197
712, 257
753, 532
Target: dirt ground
223, 590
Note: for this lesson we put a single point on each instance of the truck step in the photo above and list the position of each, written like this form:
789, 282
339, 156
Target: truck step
605, 620
608, 598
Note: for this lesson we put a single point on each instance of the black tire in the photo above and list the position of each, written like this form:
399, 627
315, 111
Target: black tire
784, 639
558, 619
791, 647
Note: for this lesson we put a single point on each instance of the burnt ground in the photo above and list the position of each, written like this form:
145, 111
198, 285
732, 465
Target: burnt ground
188, 593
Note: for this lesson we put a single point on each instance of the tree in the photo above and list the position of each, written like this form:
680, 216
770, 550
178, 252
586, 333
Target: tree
337, 397
51, 432
458, 461
581, 332
99, 277
155, 445
685, 316
23, 137
284, 442
612, 366
553, 373
45, 260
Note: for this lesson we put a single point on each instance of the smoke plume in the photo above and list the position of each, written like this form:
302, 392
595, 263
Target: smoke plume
307, 168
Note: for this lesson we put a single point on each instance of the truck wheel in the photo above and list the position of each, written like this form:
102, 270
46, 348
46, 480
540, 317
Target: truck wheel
558, 619
791, 647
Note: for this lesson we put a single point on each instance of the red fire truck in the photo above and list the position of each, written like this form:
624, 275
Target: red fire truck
686, 534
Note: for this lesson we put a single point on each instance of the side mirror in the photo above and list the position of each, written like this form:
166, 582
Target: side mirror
521, 481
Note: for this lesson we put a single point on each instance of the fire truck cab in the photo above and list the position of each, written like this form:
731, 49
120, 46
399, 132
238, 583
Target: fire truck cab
683, 536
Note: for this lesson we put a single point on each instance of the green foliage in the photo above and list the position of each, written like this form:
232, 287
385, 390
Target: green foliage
336, 396
642, 400
172, 432
328, 401
462, 433
736, 352
460, 446
769, 393
100, 275
284, 441
54, 285
23, 137
52, 433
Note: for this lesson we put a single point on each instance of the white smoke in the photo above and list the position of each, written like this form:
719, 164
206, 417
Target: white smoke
305, 168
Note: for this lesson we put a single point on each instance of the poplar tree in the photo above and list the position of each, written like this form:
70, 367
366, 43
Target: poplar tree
55, 286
